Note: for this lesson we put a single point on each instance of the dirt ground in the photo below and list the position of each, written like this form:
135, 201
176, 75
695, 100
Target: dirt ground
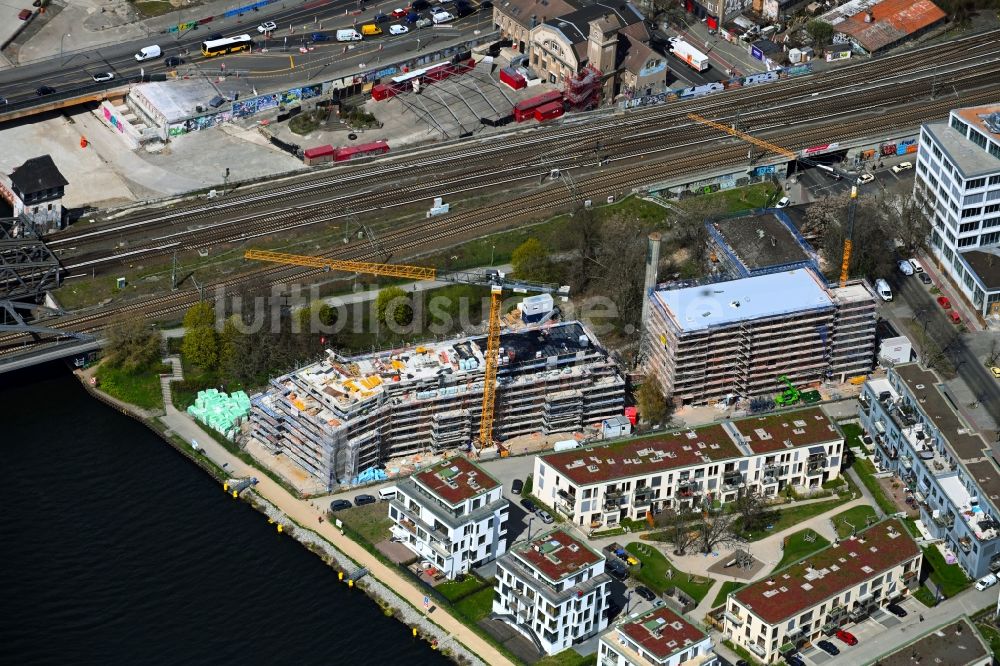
898, 495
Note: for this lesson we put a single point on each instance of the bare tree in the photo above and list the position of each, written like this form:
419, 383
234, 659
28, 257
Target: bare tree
751, 509
717, 530
679, 529
621, 256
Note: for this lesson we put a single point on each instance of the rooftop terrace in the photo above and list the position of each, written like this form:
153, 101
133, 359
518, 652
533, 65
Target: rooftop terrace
556, 555
456, 480
809, 582
661, 632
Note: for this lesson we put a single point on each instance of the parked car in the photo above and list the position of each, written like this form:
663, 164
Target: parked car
896, 610
924, 277
989, 580
944, 302
398, 30
267, 26
528, 505
398, 13
517, 487
339, 505
917, 266
319, 37
996, 371
420, 5
828, 647
173, 61
412, 17
847, 637
954, 317
617, 572
905, 267
865, 178
546, 517
902, 166
424, 22
101, 77
794, 660
41, 91
361, 500
645, 593
783, 202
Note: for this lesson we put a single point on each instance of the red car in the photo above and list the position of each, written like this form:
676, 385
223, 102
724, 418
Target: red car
944, 302
847, 637
398, 13
955, 318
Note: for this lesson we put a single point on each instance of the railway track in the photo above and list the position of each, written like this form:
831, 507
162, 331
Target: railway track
519, 144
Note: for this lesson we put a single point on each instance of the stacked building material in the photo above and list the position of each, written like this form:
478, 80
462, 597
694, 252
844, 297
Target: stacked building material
220, 411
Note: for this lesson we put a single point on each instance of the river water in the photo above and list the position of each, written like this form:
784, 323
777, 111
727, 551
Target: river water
117, 550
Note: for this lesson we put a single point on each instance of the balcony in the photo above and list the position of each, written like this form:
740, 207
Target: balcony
732, 480
965, 543
732, 619
757, 650
688, 488
614, 499
813, 469
947, 520
643, 497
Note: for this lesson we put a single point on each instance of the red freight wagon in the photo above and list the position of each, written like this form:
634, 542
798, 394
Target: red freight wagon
354, 152
512, 78
525, 109
319, 155
381, 91
549, 111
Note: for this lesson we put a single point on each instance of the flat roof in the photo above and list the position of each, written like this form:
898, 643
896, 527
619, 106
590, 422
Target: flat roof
954, 644
661, 632
684, 448
556, 555
974, 116
456, 480
809, 582
779, 432
964, 441
760, 241
987, 478
890, 21
758, 297
970, 159
985, 263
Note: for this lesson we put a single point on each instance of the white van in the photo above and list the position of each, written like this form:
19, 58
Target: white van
442, 17
148, 53
387, 494
882, 287
349, 36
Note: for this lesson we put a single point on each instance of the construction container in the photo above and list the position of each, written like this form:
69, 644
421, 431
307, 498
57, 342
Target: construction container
318, 155
549, 111
382, 91
512, 78
534, 308
525, 109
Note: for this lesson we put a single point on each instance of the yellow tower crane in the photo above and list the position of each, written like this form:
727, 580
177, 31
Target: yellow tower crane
774, 148
495, 280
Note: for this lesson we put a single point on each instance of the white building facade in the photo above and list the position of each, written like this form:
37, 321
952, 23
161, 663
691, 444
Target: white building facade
658, 637
553, 590
453, 515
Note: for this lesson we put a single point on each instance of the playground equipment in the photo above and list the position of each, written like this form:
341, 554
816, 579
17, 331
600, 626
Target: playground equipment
789, 396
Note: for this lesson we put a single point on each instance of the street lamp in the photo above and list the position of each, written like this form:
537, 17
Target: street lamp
531, 519
493, 248
61, 41
628, 601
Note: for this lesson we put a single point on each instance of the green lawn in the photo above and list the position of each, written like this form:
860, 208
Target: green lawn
370, 521
797, 546
786, 516
727, 587
452, 590
140, 388
653, 573
153, 8
857, 517
924, 596
992, 637
866, 472
949, 578
477, 605
852, 436
568, 657
753, 196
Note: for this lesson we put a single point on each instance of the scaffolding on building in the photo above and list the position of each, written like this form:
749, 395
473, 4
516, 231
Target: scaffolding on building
582, 91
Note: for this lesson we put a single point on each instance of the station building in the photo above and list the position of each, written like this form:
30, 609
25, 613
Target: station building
814, 597
657, 637
342, 416
553, 589
918, 434
957, 185
452, 514
602, 485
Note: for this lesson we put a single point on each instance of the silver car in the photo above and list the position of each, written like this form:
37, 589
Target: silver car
546, 517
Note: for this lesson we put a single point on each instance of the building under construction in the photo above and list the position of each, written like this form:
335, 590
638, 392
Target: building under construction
766, 312
342, 416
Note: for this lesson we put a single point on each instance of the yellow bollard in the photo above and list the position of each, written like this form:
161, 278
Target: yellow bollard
350, 582
414, 632
225, 486
280, 528
270, 521
235, 494
340, 575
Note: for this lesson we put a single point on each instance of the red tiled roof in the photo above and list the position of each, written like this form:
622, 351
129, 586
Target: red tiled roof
802, 427
893, 20
556, 555
802, 585
661, 632
456, 480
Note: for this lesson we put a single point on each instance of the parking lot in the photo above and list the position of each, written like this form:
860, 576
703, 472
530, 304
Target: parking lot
867, 632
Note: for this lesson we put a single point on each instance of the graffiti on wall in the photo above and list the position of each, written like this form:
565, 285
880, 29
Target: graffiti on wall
243, 108
200, 123
113, 119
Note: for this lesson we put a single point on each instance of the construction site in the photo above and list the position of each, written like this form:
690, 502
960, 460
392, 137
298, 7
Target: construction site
341, 418
766, 319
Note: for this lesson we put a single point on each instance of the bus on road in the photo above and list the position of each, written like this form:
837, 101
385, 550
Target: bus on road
216, 47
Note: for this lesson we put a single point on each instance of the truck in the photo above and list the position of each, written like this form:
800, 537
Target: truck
694, 58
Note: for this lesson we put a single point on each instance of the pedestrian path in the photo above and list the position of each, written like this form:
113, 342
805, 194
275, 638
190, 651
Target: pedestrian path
165, 380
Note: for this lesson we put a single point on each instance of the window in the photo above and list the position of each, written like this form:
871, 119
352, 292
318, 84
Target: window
971, 199
959, 126
990, 239
991, 222
994, 180
994, 150
977, 138
975, 183
971, 212
967, 227
992, 208
936, 150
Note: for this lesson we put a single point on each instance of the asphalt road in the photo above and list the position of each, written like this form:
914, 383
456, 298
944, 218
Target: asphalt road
946, 336
279, 54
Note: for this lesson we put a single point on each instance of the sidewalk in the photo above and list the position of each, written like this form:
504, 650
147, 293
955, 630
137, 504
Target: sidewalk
306, 514
958, 302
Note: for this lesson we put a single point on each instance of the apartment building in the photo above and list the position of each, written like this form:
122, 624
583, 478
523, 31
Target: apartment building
812, 598
452, 514
735, 339
918, 434
957, 185
603, 485
553, 589
342, 416
658, 637
956, 643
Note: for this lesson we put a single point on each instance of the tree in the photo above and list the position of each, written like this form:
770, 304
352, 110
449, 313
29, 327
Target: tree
131, 343
199, 314
201, 347
393, 306
678, 529
622, 258
530, 261
820, 31
717, 530
751, 509
586, 230
653, 407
